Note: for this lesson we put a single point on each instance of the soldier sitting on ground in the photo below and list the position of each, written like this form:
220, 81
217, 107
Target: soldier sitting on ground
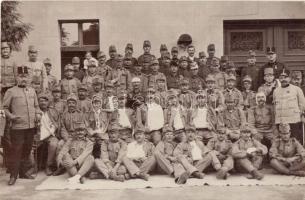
287, 154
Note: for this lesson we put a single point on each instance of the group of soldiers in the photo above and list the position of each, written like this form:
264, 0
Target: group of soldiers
126, 118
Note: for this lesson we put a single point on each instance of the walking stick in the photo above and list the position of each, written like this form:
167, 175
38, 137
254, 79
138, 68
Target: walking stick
303, 133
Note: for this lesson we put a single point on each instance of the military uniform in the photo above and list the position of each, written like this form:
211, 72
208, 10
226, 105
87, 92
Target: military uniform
143, 80
253, 72
60, 104
79, 73
148, 55
8, 74
173, 81
196, 83
111, 62
186, 99
69, 86
268, 89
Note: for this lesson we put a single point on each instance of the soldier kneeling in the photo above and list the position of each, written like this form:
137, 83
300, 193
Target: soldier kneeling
287, 154
75, 156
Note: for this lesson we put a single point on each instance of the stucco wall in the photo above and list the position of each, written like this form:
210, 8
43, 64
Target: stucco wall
160, 22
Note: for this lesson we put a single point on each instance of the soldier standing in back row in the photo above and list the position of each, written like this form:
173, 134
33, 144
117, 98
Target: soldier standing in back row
146, 48
112, 54
69, 84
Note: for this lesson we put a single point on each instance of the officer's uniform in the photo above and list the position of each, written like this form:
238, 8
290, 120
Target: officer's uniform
153, 77
84, 105
281, 151
69, 86
146, 65
52, 80
78, 148
174, 57
8, 74
111, 62
268, 88
252, 70
211, 47
134, 61
196, 82
60, 105
234, 92
150, 56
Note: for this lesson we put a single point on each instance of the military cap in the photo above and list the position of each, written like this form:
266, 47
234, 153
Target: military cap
72, 97
268, 70
224, 58
163, 47
285, 72
270, 50
202, 54
146, 43
129, 46
210, 78
184, 82
231, 77
32, 48
246, 128
284, 128
44, 95
79, 126
100, 54
183, 58
252, 53
92, 62
193, 66
109, 84
97, 81
22, 70
119, 57
174, 49
211, 47
75, 60
69, 67
247, 78
135, 80
97, 97
47, 61
112, 48
167, 55
231, 65
154, 62
173, 63
56, 88
160, 78
146, 59
190, 128
296, 74
167, 129
139, 129
83, 87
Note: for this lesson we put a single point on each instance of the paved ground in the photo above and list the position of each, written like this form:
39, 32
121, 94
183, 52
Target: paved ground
25, 190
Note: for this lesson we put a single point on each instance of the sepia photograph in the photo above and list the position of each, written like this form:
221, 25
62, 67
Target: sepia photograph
151, 100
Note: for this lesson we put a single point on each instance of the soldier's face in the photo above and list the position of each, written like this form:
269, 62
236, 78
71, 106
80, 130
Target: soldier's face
91, 69
154, 68
128, 52
247, 85
181, 136
203, 60
81, 132
136, 85
122, 102
97, 87
114, 136
102, 60
183, 64
139, 137
76, 66
174, 69
71, 105
5, 50
43, 103
284, 80
285, 136
119, 63
161, 84
82, 94
194, 72
215, 66
138, 68
88, 55
296, 81
168, 137
245, 135
184, 87
112, 54
221, 135
56, 95
33, 55
211, 53
48, 68
201, 101
261, 99
163, 52
271, 57
156, 137
97, 104
166, 62
211, 84
174, 54
109, 91
127, 63
22, 79
146, 49
191, 136
269, 78
191, 51
231, 84
69, 73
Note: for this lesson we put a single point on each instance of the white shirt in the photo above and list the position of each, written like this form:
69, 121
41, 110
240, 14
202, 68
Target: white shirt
123, 118
135, 150
46, 127
155, 117
196, 151
178, 123
200, 121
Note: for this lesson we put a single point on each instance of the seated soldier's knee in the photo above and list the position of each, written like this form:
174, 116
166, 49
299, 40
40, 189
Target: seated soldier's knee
122, 170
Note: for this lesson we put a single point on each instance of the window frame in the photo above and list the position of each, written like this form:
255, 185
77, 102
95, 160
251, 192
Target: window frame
81, 46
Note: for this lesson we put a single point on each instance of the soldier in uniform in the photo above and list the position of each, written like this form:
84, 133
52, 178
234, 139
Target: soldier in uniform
231, 90
69, 84
231, 71
92, 74
57, 102
165, 64
129, 52
8, 68
78, 72
174, 53
127, 63
49, 130
52, 80
196, 82
143, 77
37, 71
173, 78
191, 54
111, 62
224, 61
75, 156
248, 153
233, 118
161, 92
202, 64
186, 96
252, 70
163, 51
204, 118
248, 95
98, 87
261, 117
184, 66
24, 121
155, 74
146, 65
84, 103
109, 163
109, 97
211, 51
140, 159
297, 80
102, 68
269, 86
215, 98
287, 154
146, 48
219, 76
136, 90
272, 63
222, 148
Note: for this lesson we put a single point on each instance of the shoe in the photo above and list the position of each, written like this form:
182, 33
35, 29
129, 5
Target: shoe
182, 178
257, 175
120, 178
199, 175
12, 180
82, 180
127, 176
26, 176
144, 176
48, 171
221, 174
298, 173
59, 171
